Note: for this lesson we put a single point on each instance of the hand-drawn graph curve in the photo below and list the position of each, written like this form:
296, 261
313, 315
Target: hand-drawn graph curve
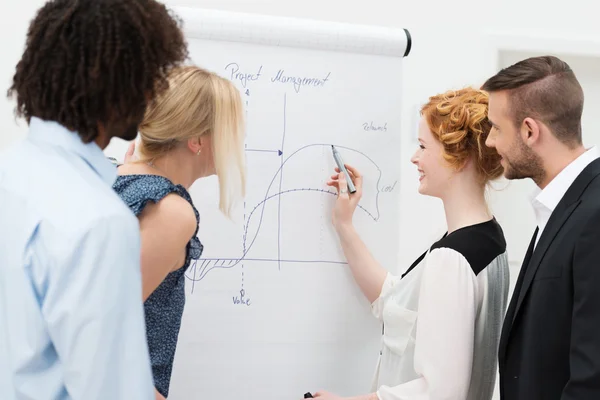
253, 220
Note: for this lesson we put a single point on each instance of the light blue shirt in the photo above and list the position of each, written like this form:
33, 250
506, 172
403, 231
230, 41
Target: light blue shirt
71, 313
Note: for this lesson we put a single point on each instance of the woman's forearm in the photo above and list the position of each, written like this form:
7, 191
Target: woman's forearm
368, 273
370, 396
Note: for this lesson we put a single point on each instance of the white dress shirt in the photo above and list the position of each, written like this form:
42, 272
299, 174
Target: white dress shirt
545, 201
71, 314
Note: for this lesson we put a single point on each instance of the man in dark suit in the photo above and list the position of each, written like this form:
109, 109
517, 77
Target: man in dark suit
550, 343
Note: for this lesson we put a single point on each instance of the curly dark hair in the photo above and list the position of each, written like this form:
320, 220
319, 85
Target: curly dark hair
91, 62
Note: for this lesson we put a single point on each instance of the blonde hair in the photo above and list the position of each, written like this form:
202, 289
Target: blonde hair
199, 103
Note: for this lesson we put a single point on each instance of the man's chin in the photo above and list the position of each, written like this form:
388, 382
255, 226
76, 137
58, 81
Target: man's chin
512, 175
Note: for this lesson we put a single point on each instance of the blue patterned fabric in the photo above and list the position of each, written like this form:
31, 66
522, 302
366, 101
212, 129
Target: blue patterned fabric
164, 307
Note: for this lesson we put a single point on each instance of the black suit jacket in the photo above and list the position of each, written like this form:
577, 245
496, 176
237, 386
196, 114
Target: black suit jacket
550, 343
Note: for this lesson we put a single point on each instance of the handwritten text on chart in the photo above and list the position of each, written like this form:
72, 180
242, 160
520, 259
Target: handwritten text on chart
298, 81
243, 77
388, 188
236, 73
241, 299
369, 126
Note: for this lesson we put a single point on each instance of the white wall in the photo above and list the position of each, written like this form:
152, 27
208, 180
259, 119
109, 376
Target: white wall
14, 21
451, 49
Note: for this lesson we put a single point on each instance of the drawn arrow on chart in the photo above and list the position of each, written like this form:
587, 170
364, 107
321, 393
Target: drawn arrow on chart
279, 152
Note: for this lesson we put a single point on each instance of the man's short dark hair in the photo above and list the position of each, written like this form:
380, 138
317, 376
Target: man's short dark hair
96, 61
544, 88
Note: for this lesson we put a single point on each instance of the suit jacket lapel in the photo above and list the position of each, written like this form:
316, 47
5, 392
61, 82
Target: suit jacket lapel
560, 215
510, 312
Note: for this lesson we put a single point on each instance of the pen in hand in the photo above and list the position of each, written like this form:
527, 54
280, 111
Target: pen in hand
338, 160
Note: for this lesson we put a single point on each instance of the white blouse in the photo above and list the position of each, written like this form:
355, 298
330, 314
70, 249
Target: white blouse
442, 320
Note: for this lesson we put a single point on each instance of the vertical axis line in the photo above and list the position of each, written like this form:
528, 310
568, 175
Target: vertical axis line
280, 184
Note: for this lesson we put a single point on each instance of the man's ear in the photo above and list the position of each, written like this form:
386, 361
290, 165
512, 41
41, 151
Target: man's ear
530, 131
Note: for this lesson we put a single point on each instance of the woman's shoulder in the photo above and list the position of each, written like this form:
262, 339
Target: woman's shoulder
166, 207
479, 244
173, 214
140, 190
137, 190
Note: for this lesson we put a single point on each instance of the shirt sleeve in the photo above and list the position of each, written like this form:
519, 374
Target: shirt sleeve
95, 317
379, 303
444, 333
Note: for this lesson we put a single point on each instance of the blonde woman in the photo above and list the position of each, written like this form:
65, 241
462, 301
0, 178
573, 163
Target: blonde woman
193, 130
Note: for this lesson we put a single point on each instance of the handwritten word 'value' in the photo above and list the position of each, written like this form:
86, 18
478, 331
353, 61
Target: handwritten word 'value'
241, 300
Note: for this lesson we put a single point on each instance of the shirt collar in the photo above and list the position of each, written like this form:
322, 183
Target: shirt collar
556, 189
51, 133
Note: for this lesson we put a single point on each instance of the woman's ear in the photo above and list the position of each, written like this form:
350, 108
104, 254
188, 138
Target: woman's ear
195, 145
